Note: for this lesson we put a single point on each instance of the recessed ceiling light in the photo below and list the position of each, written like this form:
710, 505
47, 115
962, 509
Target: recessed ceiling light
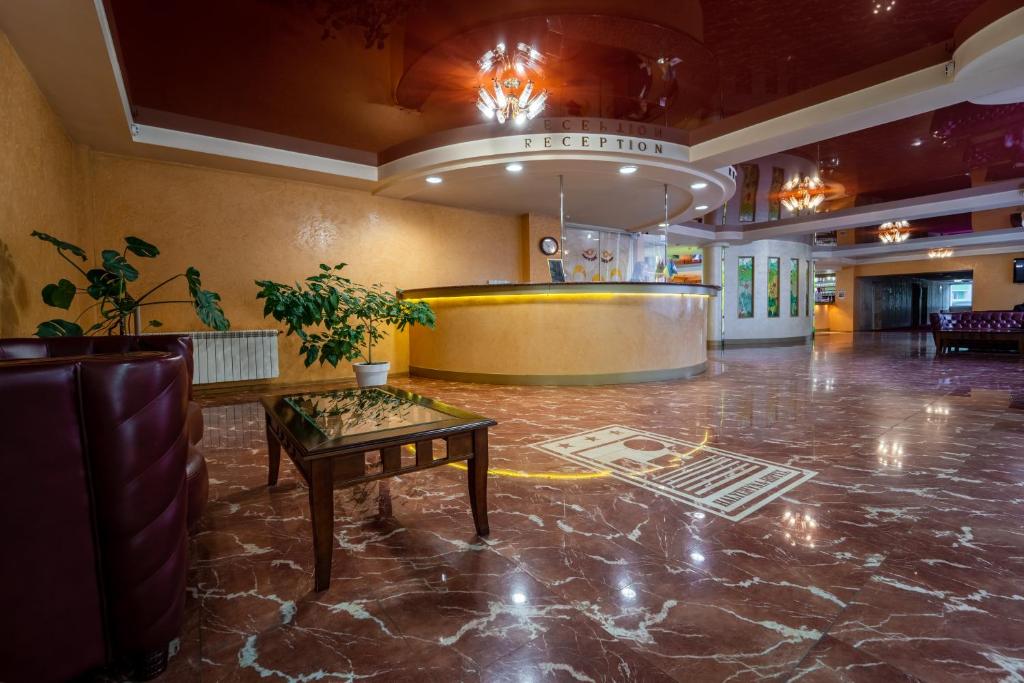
698, 186
514, 168
702, 207
662, 225
917, 142
435, 180
626, 170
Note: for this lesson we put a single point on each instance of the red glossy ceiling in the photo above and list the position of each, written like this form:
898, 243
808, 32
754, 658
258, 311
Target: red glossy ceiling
949, 149
253, 69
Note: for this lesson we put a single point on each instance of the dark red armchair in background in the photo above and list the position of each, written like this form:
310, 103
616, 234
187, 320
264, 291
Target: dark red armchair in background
94, 508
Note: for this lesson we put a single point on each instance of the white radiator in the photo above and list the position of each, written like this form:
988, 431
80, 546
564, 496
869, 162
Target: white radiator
234, 356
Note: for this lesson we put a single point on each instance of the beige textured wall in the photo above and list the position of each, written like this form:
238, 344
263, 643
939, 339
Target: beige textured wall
237, 228
535, 263
994, 289
37, 192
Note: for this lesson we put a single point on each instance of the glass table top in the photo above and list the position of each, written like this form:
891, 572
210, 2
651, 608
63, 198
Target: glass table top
348, 412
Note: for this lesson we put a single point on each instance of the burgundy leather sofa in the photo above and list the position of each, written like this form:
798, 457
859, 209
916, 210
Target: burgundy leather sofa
177, 345
978, 330
93, 513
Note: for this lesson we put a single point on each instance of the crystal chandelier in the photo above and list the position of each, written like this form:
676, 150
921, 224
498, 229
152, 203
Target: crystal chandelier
803, 193
893, 232
942, 252
509, 99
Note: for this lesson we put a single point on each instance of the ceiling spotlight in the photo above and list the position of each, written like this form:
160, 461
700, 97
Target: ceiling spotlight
702, 207
663, 225
698, 186
917, 142
434, 180
514, 168
626, 170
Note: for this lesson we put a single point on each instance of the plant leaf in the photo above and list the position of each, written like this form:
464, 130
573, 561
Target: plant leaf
61, 244
58, 328
59, 295
102, 284
206, 303
114, 263
155, 323
141, 247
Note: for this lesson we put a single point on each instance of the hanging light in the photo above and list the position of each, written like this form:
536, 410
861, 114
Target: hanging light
894, 232
508, 97
942, 252
803, 194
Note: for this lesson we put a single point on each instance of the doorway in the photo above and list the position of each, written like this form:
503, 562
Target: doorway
905, 302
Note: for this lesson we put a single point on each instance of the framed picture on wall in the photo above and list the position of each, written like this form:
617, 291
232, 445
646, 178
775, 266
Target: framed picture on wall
748, 192
794, 287
774, 265
774, 200
745, 286
556, 270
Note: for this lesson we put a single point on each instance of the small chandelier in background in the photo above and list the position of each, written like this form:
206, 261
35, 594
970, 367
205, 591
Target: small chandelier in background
894, 232
881, 6
943, 252
803, 194
509, 99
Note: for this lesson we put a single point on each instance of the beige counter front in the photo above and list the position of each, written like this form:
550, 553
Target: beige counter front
572, 333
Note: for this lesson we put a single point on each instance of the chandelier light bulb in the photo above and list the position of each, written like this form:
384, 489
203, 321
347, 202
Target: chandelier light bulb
509, 98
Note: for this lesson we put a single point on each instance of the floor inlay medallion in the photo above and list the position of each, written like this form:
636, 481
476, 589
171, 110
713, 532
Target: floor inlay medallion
726, 484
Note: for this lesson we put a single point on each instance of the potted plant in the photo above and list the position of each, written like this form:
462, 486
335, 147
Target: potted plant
337, 319
120, 311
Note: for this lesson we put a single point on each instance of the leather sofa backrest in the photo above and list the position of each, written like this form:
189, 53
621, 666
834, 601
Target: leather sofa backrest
92, 510
978, 320
57, 347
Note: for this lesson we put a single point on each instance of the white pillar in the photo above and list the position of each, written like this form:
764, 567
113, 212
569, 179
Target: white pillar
713, 255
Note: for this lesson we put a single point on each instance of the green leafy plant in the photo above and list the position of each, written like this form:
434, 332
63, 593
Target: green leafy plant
107, 285
338, 319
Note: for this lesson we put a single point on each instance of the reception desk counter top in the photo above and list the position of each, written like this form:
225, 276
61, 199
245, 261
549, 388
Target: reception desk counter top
563, 333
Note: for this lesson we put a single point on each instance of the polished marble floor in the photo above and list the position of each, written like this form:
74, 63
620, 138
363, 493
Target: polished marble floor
901, 558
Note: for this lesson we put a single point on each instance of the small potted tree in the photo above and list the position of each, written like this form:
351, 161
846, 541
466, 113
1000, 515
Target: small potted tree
337, 319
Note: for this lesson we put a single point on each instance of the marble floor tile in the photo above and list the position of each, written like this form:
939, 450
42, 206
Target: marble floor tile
902, 558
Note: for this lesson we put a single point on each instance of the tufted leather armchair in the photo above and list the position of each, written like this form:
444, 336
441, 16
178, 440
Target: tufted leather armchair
93, 511
178, 345
978, 329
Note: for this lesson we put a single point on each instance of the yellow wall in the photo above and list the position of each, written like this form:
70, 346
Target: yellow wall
37, 192
994, 289
237, 228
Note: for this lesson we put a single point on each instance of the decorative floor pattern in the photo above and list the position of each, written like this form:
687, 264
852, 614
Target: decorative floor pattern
726, 484
901, 559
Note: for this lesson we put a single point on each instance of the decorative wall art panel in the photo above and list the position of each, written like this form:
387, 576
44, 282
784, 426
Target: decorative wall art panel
745, 286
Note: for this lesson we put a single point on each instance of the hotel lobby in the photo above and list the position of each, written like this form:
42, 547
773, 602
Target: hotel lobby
404, 340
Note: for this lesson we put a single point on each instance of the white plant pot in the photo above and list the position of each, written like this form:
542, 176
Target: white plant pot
371, 375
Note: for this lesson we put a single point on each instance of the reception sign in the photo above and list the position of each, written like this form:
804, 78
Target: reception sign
773, 287
794, 287
745, 288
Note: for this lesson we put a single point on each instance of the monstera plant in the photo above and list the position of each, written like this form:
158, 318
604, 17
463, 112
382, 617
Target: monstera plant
107, 285
337, 319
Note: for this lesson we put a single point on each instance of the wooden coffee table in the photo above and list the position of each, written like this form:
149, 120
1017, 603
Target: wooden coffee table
341, 438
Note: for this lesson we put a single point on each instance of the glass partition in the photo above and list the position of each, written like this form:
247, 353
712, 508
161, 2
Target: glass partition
592, 255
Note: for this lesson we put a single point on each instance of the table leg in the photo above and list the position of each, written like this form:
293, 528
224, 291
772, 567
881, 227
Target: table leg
321, 511
274, 454
477, 479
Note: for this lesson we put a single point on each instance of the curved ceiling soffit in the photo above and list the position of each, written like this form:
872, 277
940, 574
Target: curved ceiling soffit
611, 60
429, 24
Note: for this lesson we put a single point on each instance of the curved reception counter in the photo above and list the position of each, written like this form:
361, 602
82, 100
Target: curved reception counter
569, 333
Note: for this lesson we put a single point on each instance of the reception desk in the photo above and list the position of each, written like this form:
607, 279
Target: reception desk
571, 333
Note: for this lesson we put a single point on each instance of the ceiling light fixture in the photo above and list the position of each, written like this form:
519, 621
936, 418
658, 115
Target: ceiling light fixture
942, 252
508, 98
894, 232
514, 168
434, 180
803, 194
883, 6
627, 170
917, 142
702, 207
698, 186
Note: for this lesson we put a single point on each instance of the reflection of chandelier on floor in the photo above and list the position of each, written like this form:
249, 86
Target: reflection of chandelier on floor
508, 98
803, 193
893, 232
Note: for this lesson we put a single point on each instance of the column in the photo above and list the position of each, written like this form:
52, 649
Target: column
713, 255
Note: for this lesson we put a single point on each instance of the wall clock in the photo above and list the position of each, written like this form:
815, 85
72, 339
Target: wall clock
548, 246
